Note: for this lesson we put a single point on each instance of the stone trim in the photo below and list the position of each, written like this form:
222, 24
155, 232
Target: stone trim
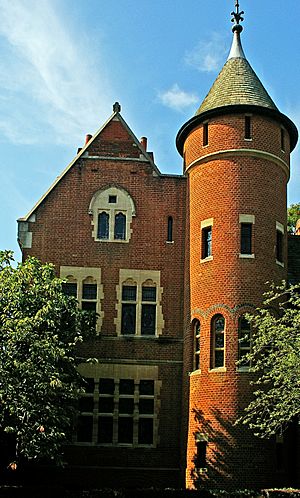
227, 154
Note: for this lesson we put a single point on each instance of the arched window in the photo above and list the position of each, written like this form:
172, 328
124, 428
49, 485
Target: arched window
103, 226
244, 340
120, 227
170, 229
196, 330
218, 341
112, 210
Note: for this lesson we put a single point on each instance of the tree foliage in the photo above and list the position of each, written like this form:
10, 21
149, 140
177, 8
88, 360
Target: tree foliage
39, 330
275, 359
293, 215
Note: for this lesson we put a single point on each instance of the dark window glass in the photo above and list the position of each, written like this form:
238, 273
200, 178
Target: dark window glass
85, 429
146, 387
219, 358
145, 431
282, 139
205, 133
120, 226
148, 293
106, 386
103, 226
88, 306
279, 246
112, 199
128, 319
200, 459
89, 385
170, 229
106, 405
89, 291
125, 430
218, 335
126, 405
248, 134
105, 429
206, 242
128, 293
148, 319
146, 406
126, 386
246, 238
69, 289
197, 344
86, 404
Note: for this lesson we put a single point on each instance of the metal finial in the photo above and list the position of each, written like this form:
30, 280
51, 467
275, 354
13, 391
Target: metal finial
116, 107
237, 17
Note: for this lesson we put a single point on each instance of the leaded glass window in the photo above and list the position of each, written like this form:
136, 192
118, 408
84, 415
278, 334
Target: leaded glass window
218, 341
103, 226
120, 227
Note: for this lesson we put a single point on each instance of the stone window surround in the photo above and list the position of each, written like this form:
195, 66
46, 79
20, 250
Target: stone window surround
100, 203
139, 277
79, 275
117, 372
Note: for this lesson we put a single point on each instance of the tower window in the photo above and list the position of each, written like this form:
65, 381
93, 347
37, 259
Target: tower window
282, 139
246, 238
206, 242
248, 128
200, 458
279, 246
244, 337
218, 342
205, 134
170, 229
196, 330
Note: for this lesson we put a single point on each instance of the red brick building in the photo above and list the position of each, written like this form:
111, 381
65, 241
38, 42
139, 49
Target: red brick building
171, 263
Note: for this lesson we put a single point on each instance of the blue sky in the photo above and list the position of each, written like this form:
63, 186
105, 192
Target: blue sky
63, 63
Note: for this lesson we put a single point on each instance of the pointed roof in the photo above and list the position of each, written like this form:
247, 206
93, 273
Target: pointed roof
237, 89
236, 84
83, 153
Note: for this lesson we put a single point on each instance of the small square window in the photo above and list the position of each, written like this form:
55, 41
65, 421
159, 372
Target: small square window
147, 387
69, 289
112, 199
106, 386
128, 293
89, 291
126, 386
148, 293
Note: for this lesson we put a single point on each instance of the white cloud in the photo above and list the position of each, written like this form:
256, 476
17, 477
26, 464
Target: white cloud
208, 55
177, 99
50, 87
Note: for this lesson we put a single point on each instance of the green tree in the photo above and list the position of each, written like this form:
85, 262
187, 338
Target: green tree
293, 214
275, 359
39, 330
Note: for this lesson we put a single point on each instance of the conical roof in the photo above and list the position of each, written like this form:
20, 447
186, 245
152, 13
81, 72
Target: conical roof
236, 89
237, 84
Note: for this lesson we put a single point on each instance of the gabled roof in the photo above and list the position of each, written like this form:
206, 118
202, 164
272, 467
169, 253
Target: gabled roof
83, 153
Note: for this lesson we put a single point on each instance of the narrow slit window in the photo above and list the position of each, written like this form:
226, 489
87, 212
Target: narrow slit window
248, 130
246, 238
200, 457
244, 341
206, 242
197, 345
279, 246
205, 134
170, 229
282, 139
218, 342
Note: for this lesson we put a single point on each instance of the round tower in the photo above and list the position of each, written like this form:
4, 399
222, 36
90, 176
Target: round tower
236, 152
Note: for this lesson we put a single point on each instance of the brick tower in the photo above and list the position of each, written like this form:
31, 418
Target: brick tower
236, 152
